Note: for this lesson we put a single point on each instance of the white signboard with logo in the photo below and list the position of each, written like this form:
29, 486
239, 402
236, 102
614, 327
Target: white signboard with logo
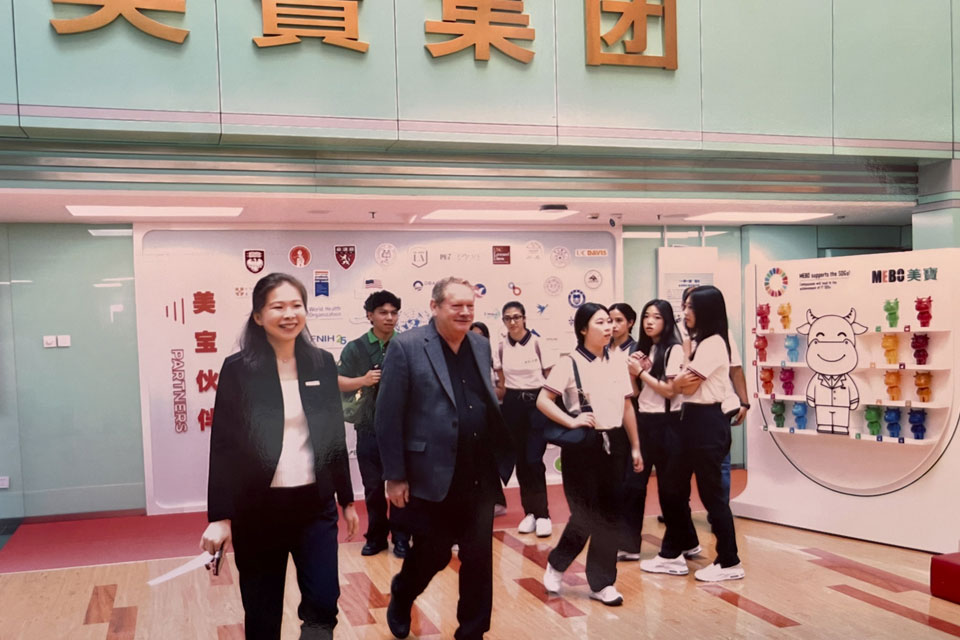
855, 410
193, 297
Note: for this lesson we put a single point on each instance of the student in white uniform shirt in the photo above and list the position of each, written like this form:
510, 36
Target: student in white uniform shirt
521, 367
654, 365
593, 472
624, 317
279, 465
701, 442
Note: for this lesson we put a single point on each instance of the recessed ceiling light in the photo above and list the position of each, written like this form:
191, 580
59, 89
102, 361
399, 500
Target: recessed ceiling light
499, 215
116, 211
756, 216
104, 285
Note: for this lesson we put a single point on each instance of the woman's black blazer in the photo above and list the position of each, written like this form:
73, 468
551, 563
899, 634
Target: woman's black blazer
247, 432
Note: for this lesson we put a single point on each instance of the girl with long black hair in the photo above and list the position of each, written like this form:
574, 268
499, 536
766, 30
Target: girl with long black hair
278, 465
700, 443
654, 365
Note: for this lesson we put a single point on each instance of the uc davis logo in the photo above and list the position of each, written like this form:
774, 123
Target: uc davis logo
775, 282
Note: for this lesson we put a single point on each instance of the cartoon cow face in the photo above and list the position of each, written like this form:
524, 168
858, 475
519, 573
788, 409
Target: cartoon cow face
832, 342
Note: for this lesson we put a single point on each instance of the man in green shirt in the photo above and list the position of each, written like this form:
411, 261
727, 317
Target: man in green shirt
359, 381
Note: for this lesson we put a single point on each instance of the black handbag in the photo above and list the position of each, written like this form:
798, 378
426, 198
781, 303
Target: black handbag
562, 436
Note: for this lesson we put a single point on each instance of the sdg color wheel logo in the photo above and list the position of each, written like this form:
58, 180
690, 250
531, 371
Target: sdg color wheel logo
775, 282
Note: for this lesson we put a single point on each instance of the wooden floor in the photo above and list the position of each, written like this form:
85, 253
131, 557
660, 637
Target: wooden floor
799, 584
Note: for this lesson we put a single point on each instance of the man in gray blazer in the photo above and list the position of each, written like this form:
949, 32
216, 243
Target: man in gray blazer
443, 443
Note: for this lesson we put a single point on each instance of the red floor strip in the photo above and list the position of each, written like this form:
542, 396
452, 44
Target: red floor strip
101, 604
899, 609
865, 573
539, 556
555, 603
123, 624
751, 607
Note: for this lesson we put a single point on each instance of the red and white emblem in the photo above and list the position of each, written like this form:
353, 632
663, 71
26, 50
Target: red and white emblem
346, 254
299, 256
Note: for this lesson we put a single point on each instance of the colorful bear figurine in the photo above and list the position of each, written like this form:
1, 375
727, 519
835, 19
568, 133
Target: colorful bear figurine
792, 344
892, 417
892, 380
891, 346
892, 309
917, 418
778, 409
784, 312
763, 315
919, 343
766, 378
800, 414
786, 377
760, 344
924, 306
873, 415
922, 380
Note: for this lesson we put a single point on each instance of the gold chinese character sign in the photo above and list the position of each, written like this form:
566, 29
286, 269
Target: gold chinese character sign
336, 22
110, 10
482, 24
633, 17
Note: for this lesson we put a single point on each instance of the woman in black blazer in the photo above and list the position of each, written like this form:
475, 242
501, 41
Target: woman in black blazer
278, 460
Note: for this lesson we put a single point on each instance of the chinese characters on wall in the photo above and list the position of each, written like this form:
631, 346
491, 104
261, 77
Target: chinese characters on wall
478, 24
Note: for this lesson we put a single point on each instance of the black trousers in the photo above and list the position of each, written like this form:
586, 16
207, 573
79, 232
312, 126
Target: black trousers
371, 472
653, 429
698, 446
592, 483
529, 445
465, 517
299, 522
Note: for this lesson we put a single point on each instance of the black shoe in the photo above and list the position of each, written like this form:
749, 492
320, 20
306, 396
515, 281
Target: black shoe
373, 548
401, 548
660, 519
398, 616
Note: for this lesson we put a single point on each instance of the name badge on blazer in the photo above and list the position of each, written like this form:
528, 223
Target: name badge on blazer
312, 383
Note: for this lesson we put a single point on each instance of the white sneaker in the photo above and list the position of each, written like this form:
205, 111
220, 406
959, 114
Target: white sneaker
626, 556
658, 564
552, 579
528, 524
689, 553
716, 573
544, 527
608, 596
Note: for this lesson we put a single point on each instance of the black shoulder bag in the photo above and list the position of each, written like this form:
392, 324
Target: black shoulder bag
556, 433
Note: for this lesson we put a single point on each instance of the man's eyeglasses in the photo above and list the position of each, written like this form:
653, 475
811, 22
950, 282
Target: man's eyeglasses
516, 318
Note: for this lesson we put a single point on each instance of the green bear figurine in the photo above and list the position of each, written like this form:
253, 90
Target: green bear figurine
778, 409
873, 415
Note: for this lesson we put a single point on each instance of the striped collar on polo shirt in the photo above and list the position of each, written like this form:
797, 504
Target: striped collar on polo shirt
522, 341
627, 344
589, 357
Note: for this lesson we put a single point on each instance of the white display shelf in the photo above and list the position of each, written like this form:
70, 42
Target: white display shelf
863, 402
864, 437
870, 331
786, 364
767, 396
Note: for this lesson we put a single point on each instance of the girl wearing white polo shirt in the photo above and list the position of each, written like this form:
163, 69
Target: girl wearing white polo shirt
654, 365
701, 442
521, 368
593, 472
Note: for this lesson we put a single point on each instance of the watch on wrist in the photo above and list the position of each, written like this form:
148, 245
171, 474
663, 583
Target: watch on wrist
745, 405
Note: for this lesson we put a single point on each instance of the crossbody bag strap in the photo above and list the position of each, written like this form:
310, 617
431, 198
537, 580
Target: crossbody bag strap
581, 396
666, 360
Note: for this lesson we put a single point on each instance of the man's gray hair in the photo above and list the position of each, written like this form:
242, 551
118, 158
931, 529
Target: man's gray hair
440, 289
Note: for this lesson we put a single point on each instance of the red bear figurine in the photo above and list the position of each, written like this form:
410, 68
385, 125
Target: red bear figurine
924, 306
766, 378
786, 377
760, 344
763, 315
919, 344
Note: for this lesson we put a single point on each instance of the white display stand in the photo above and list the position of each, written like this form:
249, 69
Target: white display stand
193, 296
851, 481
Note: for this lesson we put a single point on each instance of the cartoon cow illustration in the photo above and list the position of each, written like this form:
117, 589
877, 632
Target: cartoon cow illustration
832, 355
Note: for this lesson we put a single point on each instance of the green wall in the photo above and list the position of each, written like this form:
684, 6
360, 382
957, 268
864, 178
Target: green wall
72, 415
